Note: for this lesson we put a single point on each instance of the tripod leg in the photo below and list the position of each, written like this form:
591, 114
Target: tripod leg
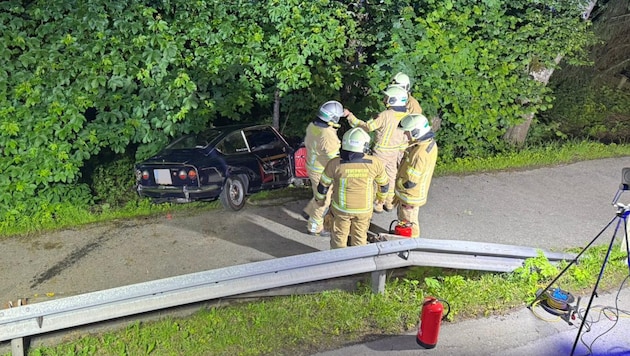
594, 292
625, 223
572, 262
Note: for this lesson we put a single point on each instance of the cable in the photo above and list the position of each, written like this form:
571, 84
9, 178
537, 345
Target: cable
558, 318
616, 312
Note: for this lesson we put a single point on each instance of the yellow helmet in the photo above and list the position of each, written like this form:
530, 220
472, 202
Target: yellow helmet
416, 124
356, 140
396, 96
402, 80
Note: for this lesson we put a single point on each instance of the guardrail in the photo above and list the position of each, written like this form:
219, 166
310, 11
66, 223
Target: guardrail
30, 320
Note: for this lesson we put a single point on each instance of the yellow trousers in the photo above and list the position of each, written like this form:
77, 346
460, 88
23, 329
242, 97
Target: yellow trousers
349, 229
410, 213
390, 161
315, 211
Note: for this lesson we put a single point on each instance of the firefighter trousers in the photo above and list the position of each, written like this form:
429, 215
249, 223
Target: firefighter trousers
410, 213
390, 161
316, 212
349, 229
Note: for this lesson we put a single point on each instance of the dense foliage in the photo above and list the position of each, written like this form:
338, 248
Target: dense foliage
594, 102
81, 77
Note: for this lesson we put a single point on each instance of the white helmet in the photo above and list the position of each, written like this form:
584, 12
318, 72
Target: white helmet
331, 112
416, 124
402, 80
356, 140
396, 96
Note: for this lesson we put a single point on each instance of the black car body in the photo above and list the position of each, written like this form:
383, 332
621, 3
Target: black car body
226, 163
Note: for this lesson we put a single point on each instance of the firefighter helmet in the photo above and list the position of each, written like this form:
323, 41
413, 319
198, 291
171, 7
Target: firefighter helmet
356, 140
402, 80
331, 112
396, 96
416, 124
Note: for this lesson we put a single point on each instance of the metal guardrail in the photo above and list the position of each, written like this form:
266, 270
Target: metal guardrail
29, 320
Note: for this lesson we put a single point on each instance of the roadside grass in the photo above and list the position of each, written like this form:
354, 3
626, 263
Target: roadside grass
552, 154
301, 325
304, 324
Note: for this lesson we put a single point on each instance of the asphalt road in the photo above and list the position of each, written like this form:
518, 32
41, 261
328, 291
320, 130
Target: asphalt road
549, 208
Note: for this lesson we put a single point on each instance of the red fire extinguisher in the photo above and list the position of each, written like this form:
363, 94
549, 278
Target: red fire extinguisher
403, 228
430, 321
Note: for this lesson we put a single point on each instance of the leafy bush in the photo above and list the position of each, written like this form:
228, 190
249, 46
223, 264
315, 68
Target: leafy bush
113, 182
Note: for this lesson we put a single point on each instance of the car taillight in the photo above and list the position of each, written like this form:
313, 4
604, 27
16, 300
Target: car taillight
191, 174
145, 174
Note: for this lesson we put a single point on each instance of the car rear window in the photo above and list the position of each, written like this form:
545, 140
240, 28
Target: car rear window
234, 143
199, 140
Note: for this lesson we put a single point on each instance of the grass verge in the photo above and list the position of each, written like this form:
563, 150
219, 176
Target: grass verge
302, 325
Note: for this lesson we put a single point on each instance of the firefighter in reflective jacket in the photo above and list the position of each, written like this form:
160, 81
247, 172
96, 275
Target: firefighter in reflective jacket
322, 144
389, 142
353, 176
416, 170
402, 80
413, 106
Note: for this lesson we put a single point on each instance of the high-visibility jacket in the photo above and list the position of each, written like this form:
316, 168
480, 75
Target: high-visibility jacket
387, 135
322, 144
353, 183
415, 172
413, 106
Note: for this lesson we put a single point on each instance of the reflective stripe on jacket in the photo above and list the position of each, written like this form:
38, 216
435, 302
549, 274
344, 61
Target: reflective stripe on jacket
416, 167
322, 144
353, 183
388, 137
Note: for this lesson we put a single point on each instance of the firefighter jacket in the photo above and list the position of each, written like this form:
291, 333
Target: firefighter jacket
413, 106
353, 182
415, 172
387, 135
322, 144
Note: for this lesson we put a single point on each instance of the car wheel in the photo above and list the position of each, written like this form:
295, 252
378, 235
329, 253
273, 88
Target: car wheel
233, 193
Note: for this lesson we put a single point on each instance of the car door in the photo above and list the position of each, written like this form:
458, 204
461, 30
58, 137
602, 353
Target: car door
272, 151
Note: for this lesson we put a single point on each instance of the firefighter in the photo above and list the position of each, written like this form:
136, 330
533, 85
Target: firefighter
416, 170
389, 142
353, 176
322, 144
402, 80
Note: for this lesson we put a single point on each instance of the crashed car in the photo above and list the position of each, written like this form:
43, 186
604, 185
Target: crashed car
227, 163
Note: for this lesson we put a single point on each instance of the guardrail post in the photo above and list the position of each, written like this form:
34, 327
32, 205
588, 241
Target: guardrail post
378, 281
17, 347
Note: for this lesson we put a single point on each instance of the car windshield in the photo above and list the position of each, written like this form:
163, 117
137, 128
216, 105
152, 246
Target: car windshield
199, 140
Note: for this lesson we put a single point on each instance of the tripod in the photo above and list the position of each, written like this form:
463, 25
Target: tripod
622, 213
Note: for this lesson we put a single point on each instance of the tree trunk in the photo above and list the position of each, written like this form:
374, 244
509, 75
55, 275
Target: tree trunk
516, 135
276, 110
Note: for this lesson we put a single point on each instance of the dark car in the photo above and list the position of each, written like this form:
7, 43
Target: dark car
227, 163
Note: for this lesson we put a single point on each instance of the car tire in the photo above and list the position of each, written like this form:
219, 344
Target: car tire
233, 194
